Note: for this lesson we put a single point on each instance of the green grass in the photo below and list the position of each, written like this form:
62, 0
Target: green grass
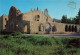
38, 45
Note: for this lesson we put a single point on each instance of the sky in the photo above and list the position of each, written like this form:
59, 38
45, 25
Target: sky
56, 8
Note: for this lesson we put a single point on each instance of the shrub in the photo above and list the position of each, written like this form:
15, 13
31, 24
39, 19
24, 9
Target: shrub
16, 33
40, 40
38, 45
45, 41
71, 42
5, 36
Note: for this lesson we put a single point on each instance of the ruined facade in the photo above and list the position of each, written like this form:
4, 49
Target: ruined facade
3, 21
36, 21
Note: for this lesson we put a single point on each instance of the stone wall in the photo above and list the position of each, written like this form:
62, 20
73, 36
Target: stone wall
60, 27
32, 16
35, 22
72, 28
3, 20
14, 20
46, 27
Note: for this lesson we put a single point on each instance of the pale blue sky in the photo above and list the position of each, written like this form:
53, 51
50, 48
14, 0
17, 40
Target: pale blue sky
56, 8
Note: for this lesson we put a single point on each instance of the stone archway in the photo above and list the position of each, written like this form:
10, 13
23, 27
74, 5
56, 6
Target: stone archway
69, 28
66, 28
54, 29
25, 28
41, 27
48, 28
75, 28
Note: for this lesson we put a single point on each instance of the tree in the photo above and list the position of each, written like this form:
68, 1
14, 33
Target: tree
73, 20
64, 19
69, 21
77, 20
79, 13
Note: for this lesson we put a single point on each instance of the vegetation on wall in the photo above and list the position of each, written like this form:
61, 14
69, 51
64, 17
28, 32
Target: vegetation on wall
38, 45
74, 20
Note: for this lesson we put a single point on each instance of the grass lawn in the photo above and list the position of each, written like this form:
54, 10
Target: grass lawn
38, 45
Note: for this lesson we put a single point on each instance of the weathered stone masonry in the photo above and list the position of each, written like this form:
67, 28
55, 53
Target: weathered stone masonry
34, 22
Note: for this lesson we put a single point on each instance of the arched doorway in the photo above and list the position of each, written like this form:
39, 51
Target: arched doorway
69, 28
66, 28
75, 28
54, 28
25, 28
48, 27
41, 27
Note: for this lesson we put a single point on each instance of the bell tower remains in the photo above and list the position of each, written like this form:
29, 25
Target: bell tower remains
46, 12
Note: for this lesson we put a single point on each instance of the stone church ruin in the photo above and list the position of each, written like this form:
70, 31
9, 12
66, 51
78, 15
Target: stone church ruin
34, 21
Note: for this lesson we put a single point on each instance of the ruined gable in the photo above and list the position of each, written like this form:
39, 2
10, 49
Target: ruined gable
14, 17
34, 21
36, 16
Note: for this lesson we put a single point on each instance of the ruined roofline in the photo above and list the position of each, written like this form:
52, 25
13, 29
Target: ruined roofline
31, 11
14, 7
3, 15
35, 10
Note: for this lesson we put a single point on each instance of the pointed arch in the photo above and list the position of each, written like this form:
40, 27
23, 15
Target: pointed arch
54, 29
41, 27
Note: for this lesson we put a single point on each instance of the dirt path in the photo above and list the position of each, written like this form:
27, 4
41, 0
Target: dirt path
57, 35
